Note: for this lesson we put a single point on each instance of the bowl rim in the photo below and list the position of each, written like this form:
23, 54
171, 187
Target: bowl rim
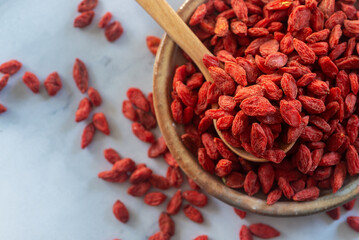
163, 73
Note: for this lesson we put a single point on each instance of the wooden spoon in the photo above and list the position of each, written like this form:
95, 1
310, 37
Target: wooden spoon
180, 33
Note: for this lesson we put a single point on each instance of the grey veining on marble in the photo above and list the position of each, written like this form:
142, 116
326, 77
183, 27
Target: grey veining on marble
48, 186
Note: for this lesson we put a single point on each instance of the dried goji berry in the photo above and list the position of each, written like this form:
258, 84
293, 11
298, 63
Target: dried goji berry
10, 67
84, 19
308, 194
334, 213
251, 183
80, 75
153, 43
87, 135
113, 31
198, 15
113, 176
100, 122
105, 20
159, 182
31, 81
154, 198
175, 203
52, 84
245, 234
349, 205
120, 211
87, 5
94, 96
353, 222
111, 155
193, 214
263, 230
138, 190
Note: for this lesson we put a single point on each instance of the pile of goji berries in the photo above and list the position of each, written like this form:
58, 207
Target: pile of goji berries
289, 75
113, 31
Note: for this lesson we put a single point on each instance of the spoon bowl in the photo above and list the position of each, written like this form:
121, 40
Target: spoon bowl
177, 29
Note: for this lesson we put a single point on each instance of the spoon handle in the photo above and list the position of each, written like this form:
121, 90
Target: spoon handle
168, 19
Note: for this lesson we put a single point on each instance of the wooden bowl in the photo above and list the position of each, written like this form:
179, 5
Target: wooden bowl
167, 57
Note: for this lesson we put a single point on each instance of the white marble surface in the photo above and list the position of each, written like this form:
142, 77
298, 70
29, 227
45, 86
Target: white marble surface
48, 186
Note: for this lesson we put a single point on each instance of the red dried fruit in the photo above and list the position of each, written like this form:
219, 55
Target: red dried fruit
263, 230
334, 213
105, 20
84, 19
266, 177
352, 160
113, 31
94, 96
240, 213
196, 198
120, 211
274, 196
87, 5
193, 214
221, 29
245, 234
138, 99
236, 72
258, 139
83, 110
111, 155
80, 75
113, 176
174, 177
158, 236
154, 198
251, 183
138, 190
349, 205
52, 84
234, 180
100, 122
312, 105
285, 187
222, 80
3, 81
223, 168
158, 181
290, 114
308, 194
246, 92
31, 81
201, 237
338, 178
240, 9
153, 43
276, 60
167, 225
257, 106
330, 159
128, 110
175, 203
87, 135
198, 15
353, 222
328, 67
140, 175
141, 133
124, 165
157, 148
306, 54
352, 26
10, 67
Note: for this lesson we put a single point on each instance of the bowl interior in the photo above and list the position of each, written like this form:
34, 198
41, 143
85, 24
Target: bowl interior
168, 56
